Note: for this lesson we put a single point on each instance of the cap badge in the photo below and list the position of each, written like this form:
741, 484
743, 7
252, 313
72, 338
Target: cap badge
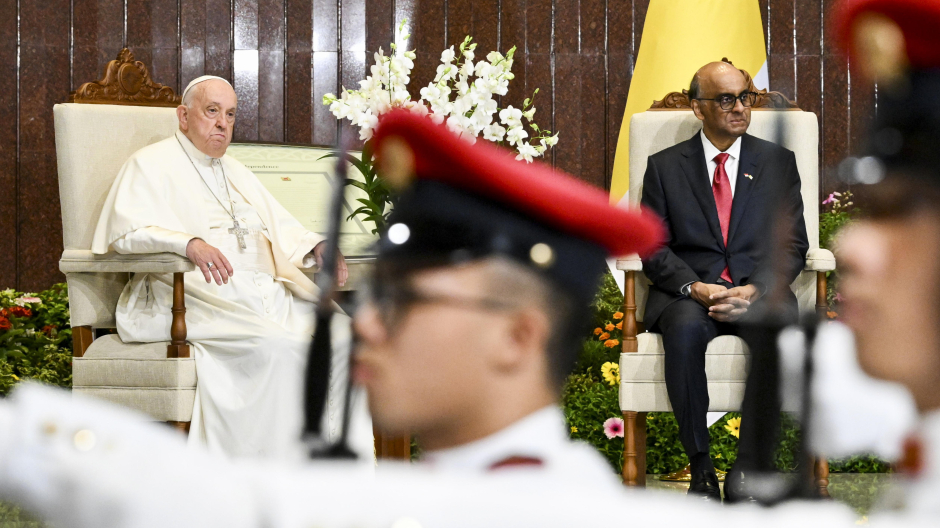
542, 255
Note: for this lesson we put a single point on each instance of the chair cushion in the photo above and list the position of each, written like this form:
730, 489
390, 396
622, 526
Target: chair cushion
109, 362
651, 396
642, 378
726, 359
161, 404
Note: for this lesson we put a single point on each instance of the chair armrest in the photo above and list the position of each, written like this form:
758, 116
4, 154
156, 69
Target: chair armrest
819, 259
630, 263
84, 261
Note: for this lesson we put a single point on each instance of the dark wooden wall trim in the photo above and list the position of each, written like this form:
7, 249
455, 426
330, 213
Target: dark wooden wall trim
284, 55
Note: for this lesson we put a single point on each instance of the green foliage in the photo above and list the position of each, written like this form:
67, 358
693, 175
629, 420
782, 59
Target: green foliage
13, 517
589, 400
35, 338
374, 208
839, 211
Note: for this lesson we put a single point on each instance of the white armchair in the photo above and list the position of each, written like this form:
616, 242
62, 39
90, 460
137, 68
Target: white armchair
642, 386
108, 121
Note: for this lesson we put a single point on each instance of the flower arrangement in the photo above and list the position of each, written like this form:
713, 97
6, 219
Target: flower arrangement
463, 95
840, 210
610, 333
35, 337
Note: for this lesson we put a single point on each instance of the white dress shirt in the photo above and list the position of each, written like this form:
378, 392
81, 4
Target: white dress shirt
541, 435
731, 164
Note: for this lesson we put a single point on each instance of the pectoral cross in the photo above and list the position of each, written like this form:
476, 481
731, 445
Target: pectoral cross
239, 232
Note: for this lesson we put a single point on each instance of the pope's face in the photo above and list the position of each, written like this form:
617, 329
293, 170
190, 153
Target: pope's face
427, 362
888, 277
210, 119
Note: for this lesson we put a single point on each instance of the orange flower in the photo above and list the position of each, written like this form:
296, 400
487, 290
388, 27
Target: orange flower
618, 315
611, 343
609, 327
5, 323
19, 311
603, 336
597, 331
832, 315
620, 325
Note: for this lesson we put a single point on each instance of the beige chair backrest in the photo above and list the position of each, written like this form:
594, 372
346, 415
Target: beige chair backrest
655, 130
92, 143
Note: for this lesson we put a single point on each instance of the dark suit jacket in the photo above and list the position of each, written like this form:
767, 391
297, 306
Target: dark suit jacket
676, 187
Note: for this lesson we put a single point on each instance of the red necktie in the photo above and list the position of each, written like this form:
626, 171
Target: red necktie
721, 188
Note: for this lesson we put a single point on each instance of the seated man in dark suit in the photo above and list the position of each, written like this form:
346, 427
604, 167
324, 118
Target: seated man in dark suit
717, 193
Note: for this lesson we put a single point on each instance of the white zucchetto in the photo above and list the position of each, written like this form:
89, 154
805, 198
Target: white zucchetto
202, 79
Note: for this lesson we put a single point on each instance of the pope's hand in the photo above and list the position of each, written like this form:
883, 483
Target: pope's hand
341, 272
210, 260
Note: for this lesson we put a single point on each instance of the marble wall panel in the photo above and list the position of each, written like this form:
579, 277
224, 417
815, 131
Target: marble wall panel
458, 21
8, 145
567, 27
567, 113
835, 120
620, 26
271, 96
593, 27
484, 26
219, 38
781, 72
594, 136
380, 25
245, 82
324, 124
44, 80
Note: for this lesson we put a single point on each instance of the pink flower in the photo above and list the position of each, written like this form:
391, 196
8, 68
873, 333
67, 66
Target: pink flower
23, 301
838, 298
613, 427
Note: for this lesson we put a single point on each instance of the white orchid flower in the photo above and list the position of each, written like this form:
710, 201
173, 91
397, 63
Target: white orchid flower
516, 135
550, 141
529, 113
494, 133
511, 117
447, 56
527, 152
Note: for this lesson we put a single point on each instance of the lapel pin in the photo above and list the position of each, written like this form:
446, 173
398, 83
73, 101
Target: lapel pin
748, 176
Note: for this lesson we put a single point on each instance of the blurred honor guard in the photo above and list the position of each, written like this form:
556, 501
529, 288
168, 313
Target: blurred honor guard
479, 300
890, 276
250, 307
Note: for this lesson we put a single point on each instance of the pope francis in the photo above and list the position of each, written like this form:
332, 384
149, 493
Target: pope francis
249, 305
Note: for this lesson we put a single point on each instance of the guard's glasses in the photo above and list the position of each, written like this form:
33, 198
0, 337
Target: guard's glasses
727, 101
393, 299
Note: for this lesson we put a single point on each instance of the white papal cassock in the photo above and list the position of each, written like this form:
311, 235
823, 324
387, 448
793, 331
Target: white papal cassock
250, 337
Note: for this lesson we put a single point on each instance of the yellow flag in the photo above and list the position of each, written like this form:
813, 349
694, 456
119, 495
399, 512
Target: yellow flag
679, 37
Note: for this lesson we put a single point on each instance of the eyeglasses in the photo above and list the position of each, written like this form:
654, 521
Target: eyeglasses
394, 299
727, 101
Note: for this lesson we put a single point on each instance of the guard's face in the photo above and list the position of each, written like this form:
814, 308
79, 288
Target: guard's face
210, 122
888, 276
721, 80
427, 362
